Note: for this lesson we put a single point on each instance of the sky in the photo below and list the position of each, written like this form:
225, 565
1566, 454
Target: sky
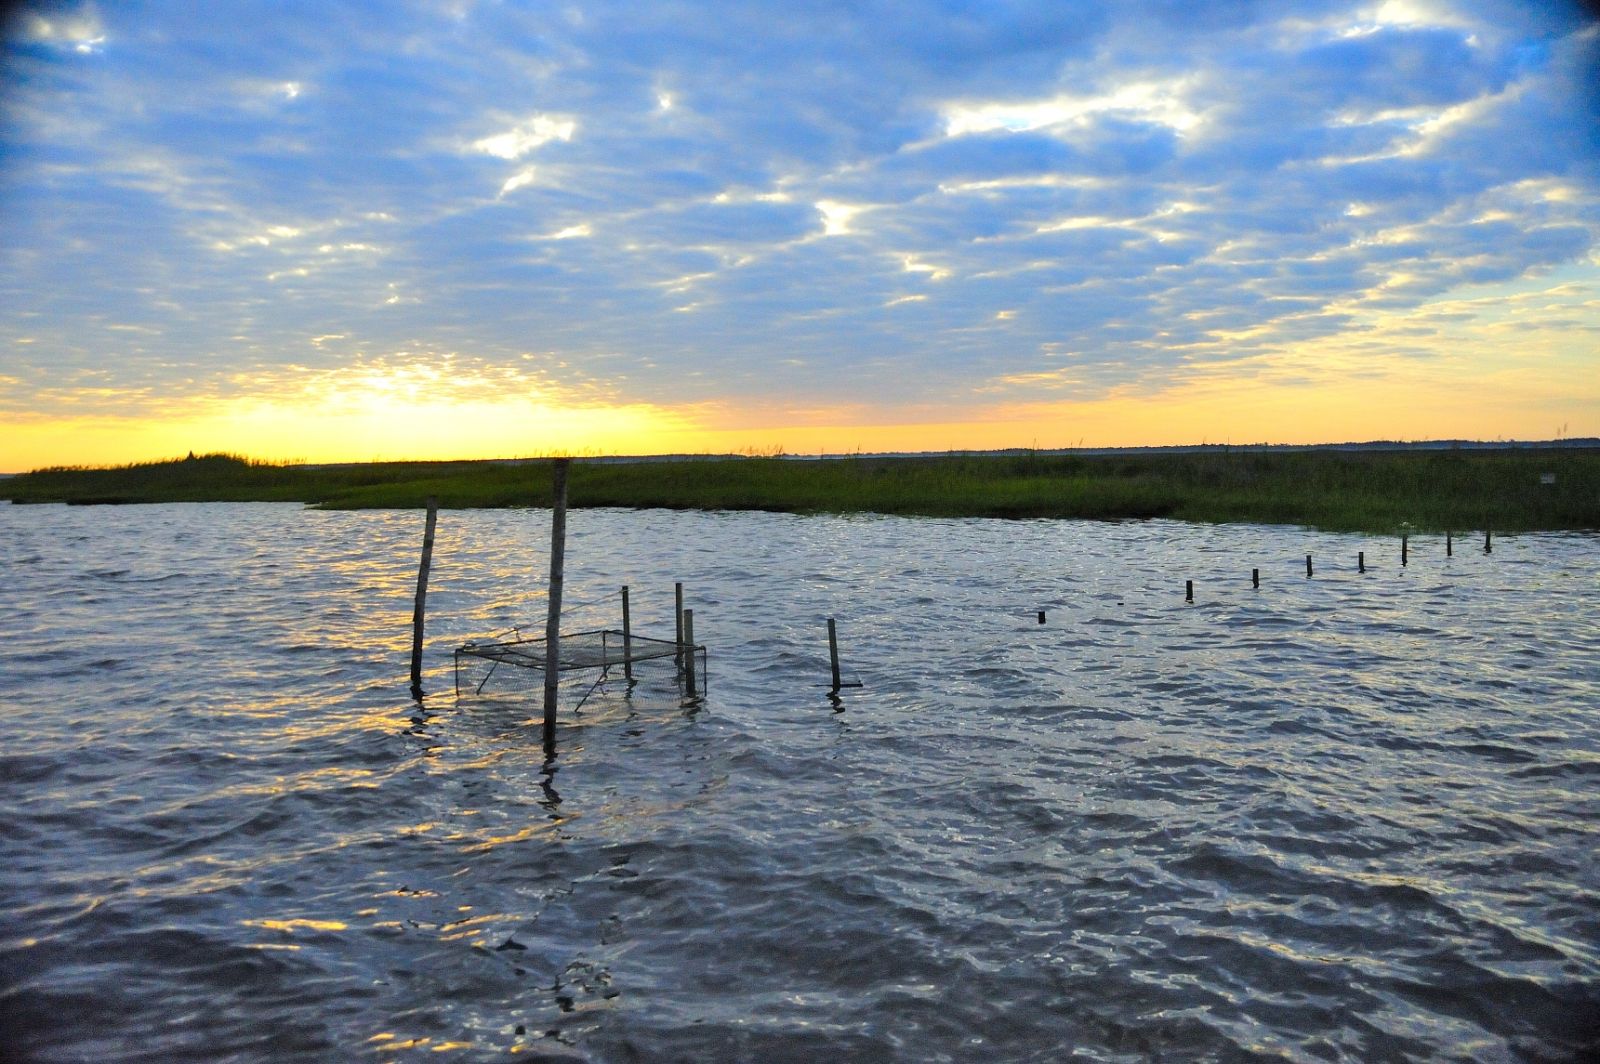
453, 229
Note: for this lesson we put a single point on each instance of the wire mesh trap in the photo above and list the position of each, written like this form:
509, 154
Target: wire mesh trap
517, 666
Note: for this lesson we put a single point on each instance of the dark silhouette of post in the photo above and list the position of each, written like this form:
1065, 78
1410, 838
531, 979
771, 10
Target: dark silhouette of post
1255, 578
677, 612
1308, 565
627, 638
1188, 591
552, 624
1361, 561
833, 653
420, 606
688, 656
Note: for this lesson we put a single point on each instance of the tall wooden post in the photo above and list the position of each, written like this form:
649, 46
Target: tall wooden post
833, 653
677, 612
552, 624
688, 655
627, 638
420, 606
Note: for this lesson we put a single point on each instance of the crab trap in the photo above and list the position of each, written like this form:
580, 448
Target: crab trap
516, 666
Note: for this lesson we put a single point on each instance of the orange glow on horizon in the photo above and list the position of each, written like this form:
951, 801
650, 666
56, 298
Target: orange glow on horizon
1327, 391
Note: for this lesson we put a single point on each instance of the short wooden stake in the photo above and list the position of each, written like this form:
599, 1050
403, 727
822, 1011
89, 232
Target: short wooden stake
677, 612
1255, 578
420, 606
552, 624
833, 651
1404, 550
1361, 561
1488, 544
688, 654
1449, 544
1308, 565
1041, 616
1188, 591
627, 638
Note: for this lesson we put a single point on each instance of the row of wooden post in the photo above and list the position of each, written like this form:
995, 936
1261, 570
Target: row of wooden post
1361, 563
684, 634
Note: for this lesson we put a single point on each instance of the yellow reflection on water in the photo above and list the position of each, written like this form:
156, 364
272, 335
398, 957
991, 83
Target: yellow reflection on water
297, 924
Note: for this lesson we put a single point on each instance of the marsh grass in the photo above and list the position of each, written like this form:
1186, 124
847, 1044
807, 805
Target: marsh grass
1364, 490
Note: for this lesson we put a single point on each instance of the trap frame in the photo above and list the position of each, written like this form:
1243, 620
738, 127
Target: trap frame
601, 649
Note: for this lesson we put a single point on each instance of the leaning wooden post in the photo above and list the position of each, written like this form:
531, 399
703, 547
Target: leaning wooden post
688, 657
421, 604
552, 624
833, 653
627, 638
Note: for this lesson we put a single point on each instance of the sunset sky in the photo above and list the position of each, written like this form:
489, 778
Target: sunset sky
347, 231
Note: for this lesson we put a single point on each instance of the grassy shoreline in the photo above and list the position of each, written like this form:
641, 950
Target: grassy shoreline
1363, 490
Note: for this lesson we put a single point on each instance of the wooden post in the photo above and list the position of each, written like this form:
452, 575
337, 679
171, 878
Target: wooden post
1188, 591
1255, 578
688, 655
552, 624
627, 638
1308, 565
677, 613
1404, 550
420, 606
1488, 544
1449, 544
1041, 616
1361, 561
833, 652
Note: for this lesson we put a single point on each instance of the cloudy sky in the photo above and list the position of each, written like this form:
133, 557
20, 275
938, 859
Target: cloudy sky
455, 228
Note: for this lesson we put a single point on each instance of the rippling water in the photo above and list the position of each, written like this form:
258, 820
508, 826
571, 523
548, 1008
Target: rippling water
1351, 817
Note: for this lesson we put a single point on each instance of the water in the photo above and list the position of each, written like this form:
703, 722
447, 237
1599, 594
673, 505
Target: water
1346, 818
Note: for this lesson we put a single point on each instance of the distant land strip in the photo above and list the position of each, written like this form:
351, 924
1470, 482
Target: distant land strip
1379, 487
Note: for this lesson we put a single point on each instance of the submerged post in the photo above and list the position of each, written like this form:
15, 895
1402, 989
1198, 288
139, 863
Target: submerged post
1308, 565
833, 653
420, 606
1404, 550
688, 655
1361, 561
627, 638
552, 624
1488, 545
1255, 578
1449, 544
1188, 591
1041, 616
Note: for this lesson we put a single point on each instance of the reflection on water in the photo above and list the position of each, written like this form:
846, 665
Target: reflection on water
1349, 816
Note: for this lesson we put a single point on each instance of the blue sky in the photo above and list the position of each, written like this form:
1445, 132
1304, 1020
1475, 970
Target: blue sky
767, 217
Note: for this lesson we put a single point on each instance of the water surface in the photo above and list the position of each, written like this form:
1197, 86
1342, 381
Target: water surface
1350, 817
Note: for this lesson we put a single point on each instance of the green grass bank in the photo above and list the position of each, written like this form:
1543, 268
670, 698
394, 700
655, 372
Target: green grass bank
1360, 490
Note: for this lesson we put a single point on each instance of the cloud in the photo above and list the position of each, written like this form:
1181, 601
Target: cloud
915, 203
